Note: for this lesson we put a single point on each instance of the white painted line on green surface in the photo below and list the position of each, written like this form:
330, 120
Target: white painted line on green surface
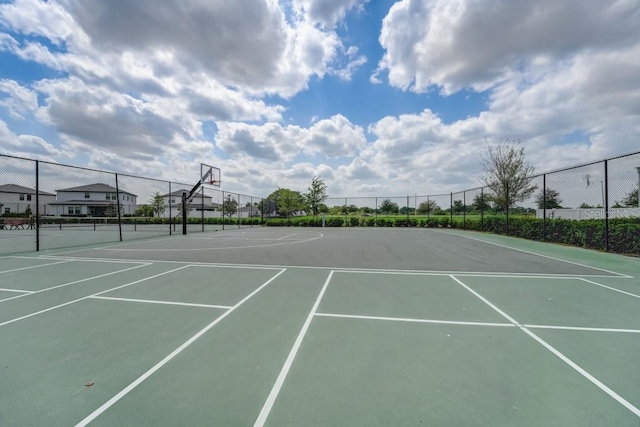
413, 320
186, 304
33, 266
170, 356
75, 282
581, 328
89, 296
557, 353
273, 395
536, 254
611, 288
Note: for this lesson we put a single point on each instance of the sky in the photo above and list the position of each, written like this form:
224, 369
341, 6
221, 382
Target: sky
376, 97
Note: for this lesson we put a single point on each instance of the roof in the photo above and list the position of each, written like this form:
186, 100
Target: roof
178, 193
14, 188
96, 188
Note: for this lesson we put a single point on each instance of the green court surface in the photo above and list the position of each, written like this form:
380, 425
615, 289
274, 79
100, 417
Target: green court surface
320, 327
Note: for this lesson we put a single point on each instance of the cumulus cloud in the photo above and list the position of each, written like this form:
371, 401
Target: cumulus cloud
28, 145
19, 100
327, 12
463, 43
330, 138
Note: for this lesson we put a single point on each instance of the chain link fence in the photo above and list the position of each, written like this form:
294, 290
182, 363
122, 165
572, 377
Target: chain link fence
594, 206
46, 205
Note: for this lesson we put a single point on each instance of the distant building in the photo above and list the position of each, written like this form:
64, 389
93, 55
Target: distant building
198, 204
96, 200
15, 199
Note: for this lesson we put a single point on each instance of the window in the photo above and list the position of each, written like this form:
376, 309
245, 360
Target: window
7, 210
29, 197
173, 201
74, 210
21, 196
87, 195
112, 196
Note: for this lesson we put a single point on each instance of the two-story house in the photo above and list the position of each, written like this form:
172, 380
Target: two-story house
16, 199
198, 203
96, 200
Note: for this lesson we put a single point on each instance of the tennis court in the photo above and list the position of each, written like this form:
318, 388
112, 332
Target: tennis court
318, 327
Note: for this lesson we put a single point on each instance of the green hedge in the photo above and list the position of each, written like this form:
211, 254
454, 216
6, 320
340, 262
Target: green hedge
624, 233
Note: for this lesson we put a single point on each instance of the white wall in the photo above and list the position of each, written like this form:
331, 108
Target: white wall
594, 213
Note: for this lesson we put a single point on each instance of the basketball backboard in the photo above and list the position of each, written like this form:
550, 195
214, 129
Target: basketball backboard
210, 175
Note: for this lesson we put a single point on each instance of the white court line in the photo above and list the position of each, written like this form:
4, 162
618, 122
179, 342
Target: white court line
611, 288
359, 270
173, 354
74, 282
186, 304
266, 245
16, 290
89, 296
536, 254
580, 328
558, 354
33, 266
268, 404
81, 259
285, 237
410, 320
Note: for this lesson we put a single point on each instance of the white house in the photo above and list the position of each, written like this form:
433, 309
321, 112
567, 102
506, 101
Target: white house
96, 200
198, 204
16, 199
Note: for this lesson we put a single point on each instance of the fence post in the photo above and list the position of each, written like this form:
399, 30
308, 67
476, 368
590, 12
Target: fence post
37, 222
606, 205
118, 207
428, 206
346, 213
222, 210
238, 211
481, 208
544, 207
184, 213
506, 197
376, 211
464, 209
451, 210
170, 215
407, 211
202, 207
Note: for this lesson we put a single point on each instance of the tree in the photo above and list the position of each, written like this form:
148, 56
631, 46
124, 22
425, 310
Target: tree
427, 207
157, 204
316, 194
631, 200
111, 210
458, 207
481, 203
229, 206
144, 210
552, 201
585, 205
27, 211
507, 174
286, 202
387, 206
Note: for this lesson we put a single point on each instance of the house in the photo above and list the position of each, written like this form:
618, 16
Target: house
248, 212
200, 202
96, 200
16, 199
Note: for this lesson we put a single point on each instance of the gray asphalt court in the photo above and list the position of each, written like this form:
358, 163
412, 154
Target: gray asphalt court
318, 327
